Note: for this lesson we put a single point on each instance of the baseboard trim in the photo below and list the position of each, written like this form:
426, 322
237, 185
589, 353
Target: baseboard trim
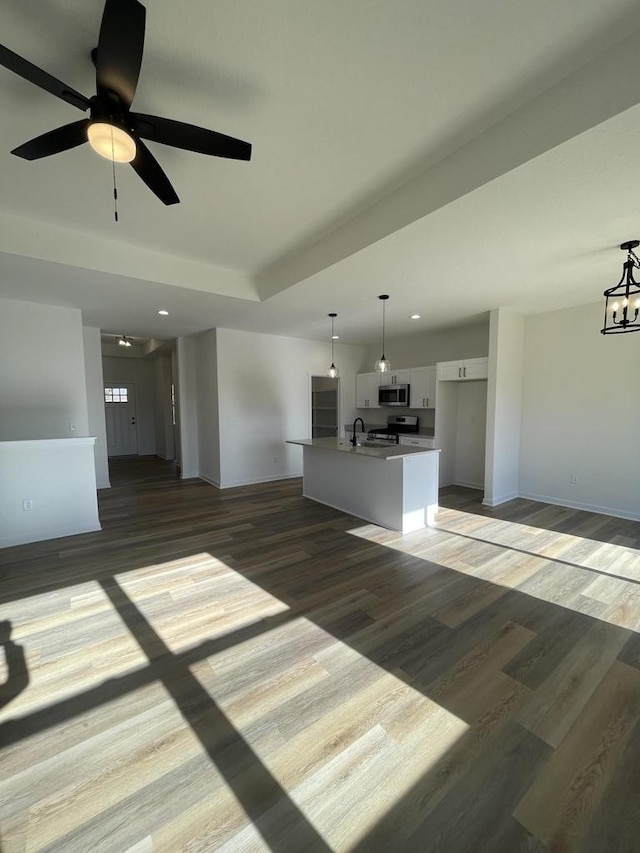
467, 485
600, 510
209, 480
45, 535
501, 500
257, 480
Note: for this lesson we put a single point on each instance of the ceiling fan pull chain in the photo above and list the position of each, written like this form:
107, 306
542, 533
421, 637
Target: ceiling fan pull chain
115, 188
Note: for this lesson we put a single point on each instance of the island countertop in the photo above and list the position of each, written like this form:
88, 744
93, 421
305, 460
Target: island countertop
394, 451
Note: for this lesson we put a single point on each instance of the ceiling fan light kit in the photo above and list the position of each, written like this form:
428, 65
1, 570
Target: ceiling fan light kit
622, 302
111, 142
112, 130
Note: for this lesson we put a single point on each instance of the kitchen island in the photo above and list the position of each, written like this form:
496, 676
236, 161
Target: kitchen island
393, 486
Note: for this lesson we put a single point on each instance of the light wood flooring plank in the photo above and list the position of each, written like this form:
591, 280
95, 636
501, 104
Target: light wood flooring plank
557, 703
559, 806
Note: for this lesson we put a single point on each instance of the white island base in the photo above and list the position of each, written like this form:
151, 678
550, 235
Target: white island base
395, 487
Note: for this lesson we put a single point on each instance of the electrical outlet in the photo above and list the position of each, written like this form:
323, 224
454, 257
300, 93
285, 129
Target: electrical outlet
72, 426
27, 505
574, 480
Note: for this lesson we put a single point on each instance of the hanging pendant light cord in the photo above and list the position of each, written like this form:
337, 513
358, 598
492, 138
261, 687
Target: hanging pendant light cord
383, 314
115, 188
333, 361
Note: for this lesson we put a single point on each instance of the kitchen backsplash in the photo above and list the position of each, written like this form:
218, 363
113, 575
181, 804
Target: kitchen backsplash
425, 429
378, 417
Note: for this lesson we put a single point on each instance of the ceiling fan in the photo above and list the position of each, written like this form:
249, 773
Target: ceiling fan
112, 130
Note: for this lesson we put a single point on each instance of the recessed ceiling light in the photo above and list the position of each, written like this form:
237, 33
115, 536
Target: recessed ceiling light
163, 312
414, 317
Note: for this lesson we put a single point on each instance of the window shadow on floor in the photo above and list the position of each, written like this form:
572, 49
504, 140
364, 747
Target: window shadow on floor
496, 659
545, 516
17, 674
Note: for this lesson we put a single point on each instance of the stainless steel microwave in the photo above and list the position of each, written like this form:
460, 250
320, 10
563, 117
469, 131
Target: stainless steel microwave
393, 395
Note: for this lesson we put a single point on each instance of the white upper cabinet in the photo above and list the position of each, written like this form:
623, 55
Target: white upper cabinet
459, 371
367, 390
398, 377
423, 387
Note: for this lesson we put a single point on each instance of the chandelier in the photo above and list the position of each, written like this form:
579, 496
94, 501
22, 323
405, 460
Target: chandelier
622, 302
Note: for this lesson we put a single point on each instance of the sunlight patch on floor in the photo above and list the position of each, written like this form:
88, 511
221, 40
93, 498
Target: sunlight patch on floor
370, 726
608, 557
73, 640
596, 578
196, 598
70, 641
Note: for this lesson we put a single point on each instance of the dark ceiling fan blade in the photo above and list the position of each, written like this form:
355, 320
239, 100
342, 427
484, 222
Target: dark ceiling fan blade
28, 71
151, 173
60, 139
191, 138
120, 47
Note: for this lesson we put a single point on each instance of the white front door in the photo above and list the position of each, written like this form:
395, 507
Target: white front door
120, 410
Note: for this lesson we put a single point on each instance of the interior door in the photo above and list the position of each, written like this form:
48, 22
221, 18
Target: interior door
120, 411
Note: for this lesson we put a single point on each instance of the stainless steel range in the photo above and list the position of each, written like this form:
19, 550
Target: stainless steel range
396, 426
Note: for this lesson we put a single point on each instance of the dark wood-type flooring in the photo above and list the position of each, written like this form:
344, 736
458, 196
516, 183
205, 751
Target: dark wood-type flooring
247, 670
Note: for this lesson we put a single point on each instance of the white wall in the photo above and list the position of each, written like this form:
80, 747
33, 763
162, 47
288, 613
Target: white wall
581, 413
42, 376
141, 373
187, 386
165, 441
208, 421
446, 419
421, 350
58, 477
95, 403
504, 406
470, 433
177, 442
264, 386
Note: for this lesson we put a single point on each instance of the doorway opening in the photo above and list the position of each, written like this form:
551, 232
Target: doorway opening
141, 415
324, 407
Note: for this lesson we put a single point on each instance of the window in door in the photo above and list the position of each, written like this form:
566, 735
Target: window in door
116, 395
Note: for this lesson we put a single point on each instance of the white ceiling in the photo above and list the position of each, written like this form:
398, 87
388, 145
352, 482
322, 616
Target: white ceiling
458, 156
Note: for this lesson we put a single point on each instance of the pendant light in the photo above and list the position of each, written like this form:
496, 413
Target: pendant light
383, 365
620, 315
124, 341
333, 371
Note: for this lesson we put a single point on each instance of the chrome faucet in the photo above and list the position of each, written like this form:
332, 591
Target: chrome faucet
354, 440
